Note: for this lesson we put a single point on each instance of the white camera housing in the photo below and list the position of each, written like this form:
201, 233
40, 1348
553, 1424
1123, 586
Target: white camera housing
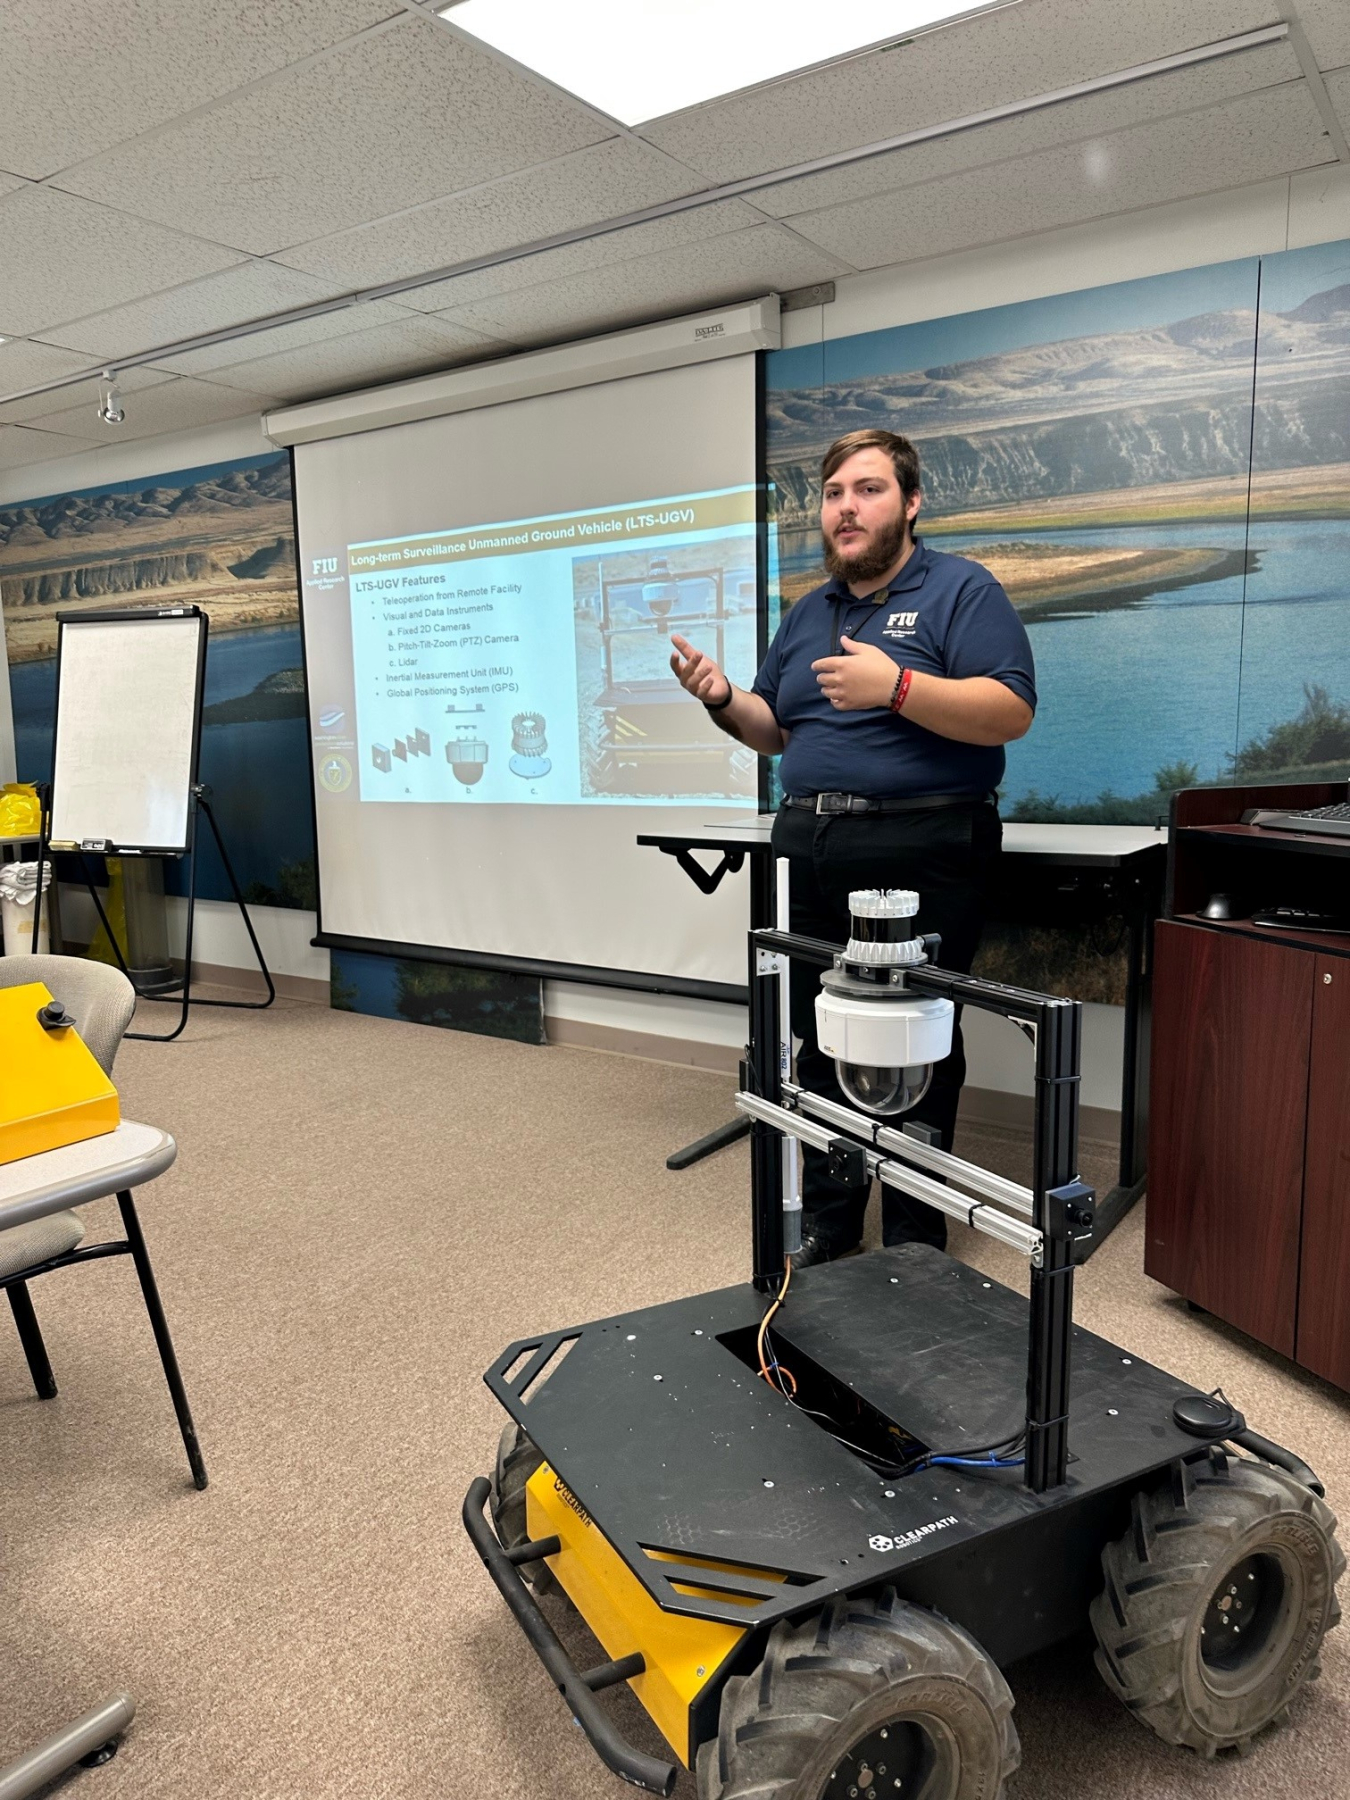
884, 1048
883, 1037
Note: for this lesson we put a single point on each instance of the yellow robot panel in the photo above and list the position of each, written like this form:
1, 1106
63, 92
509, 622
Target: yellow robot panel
682, 1654
52, 1090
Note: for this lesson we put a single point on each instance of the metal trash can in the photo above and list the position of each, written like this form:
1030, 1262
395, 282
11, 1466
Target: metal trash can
18, 902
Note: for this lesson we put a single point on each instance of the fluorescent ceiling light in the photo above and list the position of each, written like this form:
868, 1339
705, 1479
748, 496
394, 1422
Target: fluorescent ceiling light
641, 62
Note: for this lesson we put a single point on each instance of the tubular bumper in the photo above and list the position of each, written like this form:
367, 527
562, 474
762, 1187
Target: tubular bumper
578, 1688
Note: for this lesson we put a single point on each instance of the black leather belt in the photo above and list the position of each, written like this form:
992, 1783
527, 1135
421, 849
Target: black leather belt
863, 803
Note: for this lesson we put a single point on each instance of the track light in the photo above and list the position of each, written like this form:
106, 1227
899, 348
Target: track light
109, 400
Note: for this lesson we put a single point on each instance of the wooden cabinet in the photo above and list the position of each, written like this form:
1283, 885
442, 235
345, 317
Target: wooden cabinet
1248, 1209
1230, 1087
1323, 1343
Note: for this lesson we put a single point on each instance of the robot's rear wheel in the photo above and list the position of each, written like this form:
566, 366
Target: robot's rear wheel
1217, 1601
873, 1699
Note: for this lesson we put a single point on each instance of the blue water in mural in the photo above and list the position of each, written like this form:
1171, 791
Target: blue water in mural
258, 770
1184, 676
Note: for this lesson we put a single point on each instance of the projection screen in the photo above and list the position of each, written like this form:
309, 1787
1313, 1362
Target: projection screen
487, 602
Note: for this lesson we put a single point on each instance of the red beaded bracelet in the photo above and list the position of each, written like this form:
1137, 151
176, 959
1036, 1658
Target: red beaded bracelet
901, 693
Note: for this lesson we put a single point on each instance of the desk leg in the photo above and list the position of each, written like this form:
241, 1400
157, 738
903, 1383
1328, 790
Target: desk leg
762, 889
90, 1740
1133, 1168
730, 1133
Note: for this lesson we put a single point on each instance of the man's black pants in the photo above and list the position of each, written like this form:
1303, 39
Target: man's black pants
946, 854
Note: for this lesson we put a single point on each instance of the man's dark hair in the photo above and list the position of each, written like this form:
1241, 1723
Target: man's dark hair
904, 457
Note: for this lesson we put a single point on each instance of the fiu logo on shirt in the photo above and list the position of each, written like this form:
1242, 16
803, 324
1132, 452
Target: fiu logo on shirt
900, 625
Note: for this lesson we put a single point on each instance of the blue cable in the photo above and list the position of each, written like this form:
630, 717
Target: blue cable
969, 1462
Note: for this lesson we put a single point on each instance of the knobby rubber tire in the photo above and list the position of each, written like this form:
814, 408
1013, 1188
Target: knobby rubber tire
1161, 1576
517, 1460
827, 1684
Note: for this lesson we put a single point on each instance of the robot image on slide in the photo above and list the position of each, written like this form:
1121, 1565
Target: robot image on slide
650, 741
811, 1518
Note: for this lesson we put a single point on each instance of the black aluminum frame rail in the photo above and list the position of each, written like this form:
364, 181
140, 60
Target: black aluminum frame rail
1062, 1206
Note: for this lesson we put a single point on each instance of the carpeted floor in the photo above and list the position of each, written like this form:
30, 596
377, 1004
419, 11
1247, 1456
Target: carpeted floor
362, 1215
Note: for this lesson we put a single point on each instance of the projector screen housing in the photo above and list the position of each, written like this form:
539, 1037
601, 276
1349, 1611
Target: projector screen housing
487, 598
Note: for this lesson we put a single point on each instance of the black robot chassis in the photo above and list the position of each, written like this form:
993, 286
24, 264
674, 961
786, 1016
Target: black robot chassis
812, 1581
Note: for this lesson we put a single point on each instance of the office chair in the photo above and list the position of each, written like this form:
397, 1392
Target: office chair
101, 1001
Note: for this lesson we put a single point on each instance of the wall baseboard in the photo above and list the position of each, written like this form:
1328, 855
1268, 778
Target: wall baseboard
1014, 1112
248, 983
690, 1053
979, 1106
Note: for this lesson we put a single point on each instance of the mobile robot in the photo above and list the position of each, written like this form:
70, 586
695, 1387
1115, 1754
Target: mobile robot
811, 1518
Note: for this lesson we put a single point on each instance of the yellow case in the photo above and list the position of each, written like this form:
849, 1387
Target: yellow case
52, 1090
683, 1654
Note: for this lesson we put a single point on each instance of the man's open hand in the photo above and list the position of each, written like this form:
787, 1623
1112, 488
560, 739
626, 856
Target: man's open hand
862, 677
698, 674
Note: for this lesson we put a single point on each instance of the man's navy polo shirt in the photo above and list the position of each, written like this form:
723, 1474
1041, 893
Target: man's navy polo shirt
942, 615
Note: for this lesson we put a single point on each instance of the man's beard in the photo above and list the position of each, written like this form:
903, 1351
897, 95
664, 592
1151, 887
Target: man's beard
874, 561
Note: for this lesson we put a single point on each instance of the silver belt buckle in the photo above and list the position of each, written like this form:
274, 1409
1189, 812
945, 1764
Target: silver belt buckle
833, 803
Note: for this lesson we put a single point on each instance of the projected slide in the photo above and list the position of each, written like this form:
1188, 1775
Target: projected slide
528, 661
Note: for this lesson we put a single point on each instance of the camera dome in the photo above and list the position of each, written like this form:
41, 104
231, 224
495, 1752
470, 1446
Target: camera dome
884, 1089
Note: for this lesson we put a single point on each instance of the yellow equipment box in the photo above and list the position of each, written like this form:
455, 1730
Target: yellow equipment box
683, 1655
52, 1090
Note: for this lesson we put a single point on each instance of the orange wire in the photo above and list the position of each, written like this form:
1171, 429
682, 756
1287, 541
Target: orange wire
765, 1322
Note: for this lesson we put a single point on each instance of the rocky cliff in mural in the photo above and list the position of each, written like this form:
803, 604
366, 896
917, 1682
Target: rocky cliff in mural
1096, 415
224, 542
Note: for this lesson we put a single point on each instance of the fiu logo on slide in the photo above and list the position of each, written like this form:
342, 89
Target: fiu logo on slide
900, 625
325, 574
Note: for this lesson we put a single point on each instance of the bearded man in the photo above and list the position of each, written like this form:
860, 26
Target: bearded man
889, 693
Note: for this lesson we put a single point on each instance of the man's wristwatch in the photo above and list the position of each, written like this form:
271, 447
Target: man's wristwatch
721, 705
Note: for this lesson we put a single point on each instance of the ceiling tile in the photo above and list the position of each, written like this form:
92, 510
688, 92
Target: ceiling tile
399, 117
119, 70
266, 344
706, 273
1031, 48
589, 186
20, 445
365, 358
25, 364
577, 259
1180, 91
1338, 89
63, 257
251, 290
77, 401
175, 405
1326, 25
1249, 140
8, 183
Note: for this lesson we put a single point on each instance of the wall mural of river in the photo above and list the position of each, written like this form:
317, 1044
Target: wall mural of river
1159, 474
221, 537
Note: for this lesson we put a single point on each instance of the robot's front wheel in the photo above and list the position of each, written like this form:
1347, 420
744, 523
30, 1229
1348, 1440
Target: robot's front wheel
872, 1699
517, 1460
1217, 1601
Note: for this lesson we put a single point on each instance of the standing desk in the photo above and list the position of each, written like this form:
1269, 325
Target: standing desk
1049, 875
32, 1188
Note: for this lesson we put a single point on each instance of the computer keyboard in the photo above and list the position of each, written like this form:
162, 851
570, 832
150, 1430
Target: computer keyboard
1329, 821
1300, 918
